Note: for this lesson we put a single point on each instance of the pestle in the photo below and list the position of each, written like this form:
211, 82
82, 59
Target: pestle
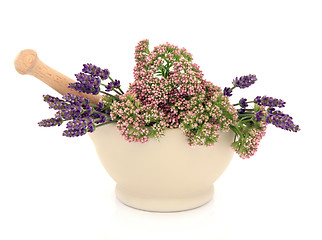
27, 62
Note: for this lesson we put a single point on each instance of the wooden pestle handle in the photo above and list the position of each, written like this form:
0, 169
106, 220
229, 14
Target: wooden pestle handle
27, 62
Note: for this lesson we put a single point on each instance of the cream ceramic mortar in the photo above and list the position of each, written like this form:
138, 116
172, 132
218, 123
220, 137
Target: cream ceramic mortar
166, 175
163, 176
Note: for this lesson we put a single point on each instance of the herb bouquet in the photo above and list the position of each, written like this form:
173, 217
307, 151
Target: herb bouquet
168, 92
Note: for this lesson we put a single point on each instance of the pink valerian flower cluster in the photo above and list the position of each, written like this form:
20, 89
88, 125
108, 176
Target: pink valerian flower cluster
251, 142
247, 144
136, 122
206, 117
179, 78
169, 91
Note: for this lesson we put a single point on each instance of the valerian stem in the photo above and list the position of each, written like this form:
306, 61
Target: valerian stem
116, 98
236, 104
102, 124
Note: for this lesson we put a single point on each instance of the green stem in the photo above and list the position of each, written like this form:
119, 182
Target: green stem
232, 127
94, 111
100, 119
119, 88
111, 78
246, 120
236, 104
116, 98
246, 114
102, 124
243, 117
119, 93
93, 105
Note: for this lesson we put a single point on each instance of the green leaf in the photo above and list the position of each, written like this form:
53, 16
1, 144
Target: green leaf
237, 130
256, 108
137, 104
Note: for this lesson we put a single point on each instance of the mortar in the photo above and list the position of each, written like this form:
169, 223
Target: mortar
164, 176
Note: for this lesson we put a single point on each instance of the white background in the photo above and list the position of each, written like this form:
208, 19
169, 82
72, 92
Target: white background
52, 187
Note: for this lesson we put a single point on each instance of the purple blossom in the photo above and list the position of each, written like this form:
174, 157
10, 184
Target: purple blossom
244, 81
79, 127
82, 116
50, 122
86, 84
112, 85
101, 108
75, 100
71, 107
72, 112
100, 113
109, 87
242, 103
269, 101
282, 120
227, 92
258, 100
54, 102
76, 107
95, 71
270, 110
258, 115
99, 118
117, 83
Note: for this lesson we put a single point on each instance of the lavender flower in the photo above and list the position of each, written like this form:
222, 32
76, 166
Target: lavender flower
244, 81
258, 100
112, 85
54, 102
96, 71
269, 101
242, 103
82, 116
75, 100
227, 91
72, 112
258, 115
282, 120
109, 87
77, 109
79, 127
50, 122
99, 118
86, 84
270, 110
117, 83
100, 107
70, 107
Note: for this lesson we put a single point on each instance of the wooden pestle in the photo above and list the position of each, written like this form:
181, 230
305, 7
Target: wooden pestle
27, 62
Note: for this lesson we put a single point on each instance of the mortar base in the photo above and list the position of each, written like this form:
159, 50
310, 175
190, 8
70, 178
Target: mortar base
162, 204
